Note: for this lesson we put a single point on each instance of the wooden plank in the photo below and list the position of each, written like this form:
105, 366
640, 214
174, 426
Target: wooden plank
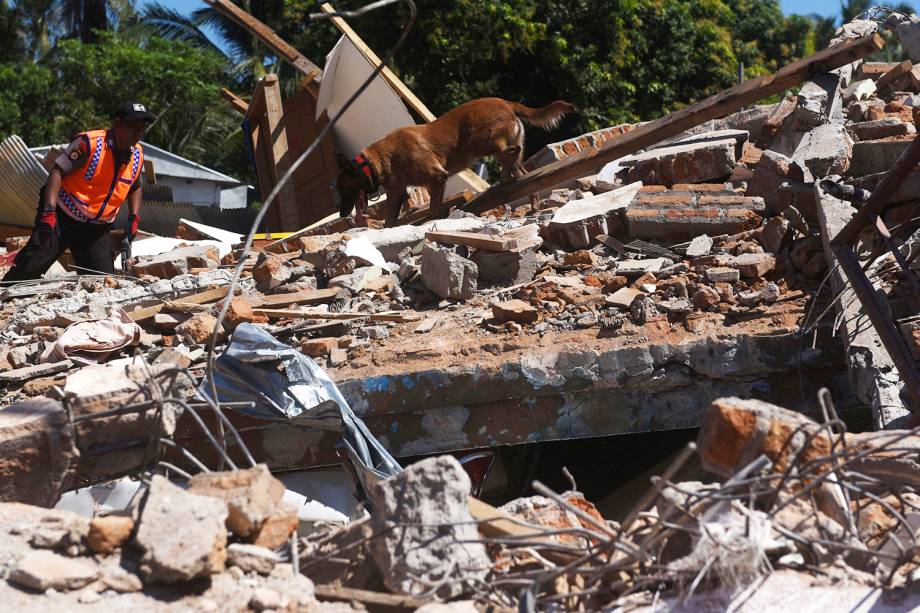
204, 297
474, 180
297, 314
374, 601
150, 172
316, 296
286, 207
587, 161
269, 37
235, 101
472, 239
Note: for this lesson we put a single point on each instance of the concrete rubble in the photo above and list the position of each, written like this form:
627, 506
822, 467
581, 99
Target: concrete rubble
679, 287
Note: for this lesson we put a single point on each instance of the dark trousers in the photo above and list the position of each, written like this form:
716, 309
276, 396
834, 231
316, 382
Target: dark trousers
89, 244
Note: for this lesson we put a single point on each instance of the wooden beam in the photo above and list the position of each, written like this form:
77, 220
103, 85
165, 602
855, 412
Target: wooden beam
150, 173
143, 313
315, 296
400, 317
286, 208
587, 161
235, 101
474, 180
268, 36
473, 239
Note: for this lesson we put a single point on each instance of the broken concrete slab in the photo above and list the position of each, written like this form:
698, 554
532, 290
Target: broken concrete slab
183, 536
18, 375
826, 150
514, 310
391, 241
37, 449
575, 225
624, 297
251, 495
447, 274
506, 267
818, 100
753, 265
426, 531
881, 128
876, 156
44, 570
692, 163
722, 274
177, 261
271, 271
252, 558
637, 268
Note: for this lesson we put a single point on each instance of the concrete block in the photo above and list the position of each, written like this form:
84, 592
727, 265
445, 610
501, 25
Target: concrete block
514, 310
44, 570
818, 99
506, 267
251, 495
579, 222
881, 128
876, 156
826, 150
753, 265
183, 536
637, 268
692, 163
36, 450
624, 297
447, 274
271, 271
722, 274
908, 31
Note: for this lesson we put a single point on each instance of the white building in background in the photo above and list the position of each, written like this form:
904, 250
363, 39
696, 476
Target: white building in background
189, 181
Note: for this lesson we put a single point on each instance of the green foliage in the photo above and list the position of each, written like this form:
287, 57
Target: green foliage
175, 80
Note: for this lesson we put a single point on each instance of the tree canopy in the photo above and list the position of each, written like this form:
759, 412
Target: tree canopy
63, 68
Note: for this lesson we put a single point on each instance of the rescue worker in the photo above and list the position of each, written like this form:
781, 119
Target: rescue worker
91, 179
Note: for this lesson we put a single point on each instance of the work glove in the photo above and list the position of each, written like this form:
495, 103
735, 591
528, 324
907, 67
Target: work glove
131, 226
47, 221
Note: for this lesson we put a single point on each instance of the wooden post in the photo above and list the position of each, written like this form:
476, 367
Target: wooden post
269, 37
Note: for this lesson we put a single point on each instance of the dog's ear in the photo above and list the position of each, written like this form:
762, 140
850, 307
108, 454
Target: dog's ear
343, 162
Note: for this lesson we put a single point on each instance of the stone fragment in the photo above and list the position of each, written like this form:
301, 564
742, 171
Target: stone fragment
722, 274
240, 311
624, 297
318, 347
776, 234
881, 128
426, 536
43, 570
908, 31
753, 265
506, 267
818, 99
36, 450
447, 274
637, 268
177, 261
859, 90
337, 357
772, 172
374, 332
32, 372
685, 163
251, 495
278, 527
183, 536
266, 599
577, 224
876, 156
514, 310
271, 271
826, 150
252, 558
705, 298
168, 322
699, 246
197, 329
582, 257
106, 534
120, 581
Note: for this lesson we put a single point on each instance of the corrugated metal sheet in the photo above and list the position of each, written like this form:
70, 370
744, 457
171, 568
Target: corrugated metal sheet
21, 178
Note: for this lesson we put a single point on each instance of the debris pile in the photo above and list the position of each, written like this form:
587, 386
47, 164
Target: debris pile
655, 266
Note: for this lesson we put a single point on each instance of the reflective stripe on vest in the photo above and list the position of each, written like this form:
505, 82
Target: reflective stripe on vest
96, 192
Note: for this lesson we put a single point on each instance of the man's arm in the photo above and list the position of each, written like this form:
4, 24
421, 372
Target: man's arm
134, 198
52, 188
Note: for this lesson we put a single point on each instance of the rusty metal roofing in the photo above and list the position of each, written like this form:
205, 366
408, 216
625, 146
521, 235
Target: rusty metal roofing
21, 178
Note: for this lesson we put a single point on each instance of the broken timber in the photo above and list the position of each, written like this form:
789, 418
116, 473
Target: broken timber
211, 295
587, 161
270, 38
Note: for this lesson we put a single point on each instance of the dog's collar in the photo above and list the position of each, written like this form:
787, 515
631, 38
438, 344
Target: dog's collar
367, 171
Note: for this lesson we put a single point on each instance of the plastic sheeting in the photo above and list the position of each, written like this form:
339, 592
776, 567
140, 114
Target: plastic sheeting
93, 341
285, 384
21, 178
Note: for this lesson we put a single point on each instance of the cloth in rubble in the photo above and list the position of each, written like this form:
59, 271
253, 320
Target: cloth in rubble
95, 340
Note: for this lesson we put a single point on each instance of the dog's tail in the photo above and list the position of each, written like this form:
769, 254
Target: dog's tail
547, 117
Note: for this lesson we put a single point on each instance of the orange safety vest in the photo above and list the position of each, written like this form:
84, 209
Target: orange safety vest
95, 191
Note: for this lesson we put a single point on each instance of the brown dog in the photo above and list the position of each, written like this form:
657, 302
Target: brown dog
427, 154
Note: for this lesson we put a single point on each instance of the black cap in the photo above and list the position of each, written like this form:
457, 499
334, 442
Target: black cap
134, 111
